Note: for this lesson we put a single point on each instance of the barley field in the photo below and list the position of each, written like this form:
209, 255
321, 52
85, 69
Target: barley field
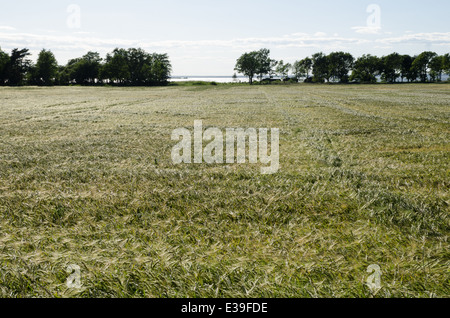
86, 178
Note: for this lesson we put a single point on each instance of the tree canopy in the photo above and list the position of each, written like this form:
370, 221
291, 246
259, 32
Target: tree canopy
302, 68
46, 69
391, 67
136, 67
282, 69
248, 64
366, 68
422, 64
17, 67
4, 62
339, 66
121, 67
320, 68
342, 67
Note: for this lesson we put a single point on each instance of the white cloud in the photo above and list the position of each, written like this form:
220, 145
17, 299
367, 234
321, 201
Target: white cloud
7, 28
386, 47
83, 33
437, 38
366, 29
77, 41
71, 45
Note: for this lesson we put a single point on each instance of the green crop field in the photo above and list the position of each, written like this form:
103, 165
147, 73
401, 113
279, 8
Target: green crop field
86, 178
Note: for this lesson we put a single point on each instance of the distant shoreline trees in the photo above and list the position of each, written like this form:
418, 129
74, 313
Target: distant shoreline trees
15, 67
341, 67
136, 67
131, 67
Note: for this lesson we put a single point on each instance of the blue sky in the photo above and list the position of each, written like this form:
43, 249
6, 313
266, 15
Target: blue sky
206, 37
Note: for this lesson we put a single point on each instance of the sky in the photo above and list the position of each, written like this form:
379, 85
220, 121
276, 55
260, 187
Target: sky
206, 37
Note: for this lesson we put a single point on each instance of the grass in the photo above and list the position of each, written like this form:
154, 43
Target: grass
86, 178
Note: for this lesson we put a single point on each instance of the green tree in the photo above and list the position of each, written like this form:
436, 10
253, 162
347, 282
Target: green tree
320, 68
447, 63
273, 66
264, 63
422, 64
116, 67
62, 76
46, 68
148, 69
366, 69
91, 66
302, 68
4, 62
124, 67
74, 71
339, 66
136, 63
391, 67
18, 66
282, 70
437, 66
85, 70
406, 70
248, 65
160, 69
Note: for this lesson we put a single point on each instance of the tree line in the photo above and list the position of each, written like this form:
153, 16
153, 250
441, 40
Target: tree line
342, 67
128, 67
